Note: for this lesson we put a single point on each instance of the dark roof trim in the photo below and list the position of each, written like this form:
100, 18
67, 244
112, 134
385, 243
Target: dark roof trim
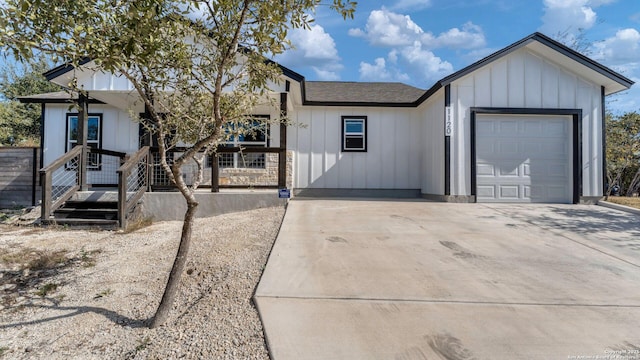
60, 97
56, 101
541, 38
545, 40
363, 104
63, 69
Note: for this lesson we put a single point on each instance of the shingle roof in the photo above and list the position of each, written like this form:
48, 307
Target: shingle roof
332, 92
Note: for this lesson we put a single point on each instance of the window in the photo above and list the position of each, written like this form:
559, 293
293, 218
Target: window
94, 137
255, 134
354, 133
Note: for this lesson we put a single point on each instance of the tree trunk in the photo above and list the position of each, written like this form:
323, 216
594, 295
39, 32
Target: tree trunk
633, 185
173, 283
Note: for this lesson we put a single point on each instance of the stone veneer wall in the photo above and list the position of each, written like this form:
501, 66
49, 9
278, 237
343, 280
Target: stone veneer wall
246, 177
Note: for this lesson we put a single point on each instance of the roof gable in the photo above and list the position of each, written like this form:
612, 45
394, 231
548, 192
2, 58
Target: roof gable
551, 49
402, 95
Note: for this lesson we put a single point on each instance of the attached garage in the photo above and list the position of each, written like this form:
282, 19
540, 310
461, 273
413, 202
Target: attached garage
524, 158
524, 125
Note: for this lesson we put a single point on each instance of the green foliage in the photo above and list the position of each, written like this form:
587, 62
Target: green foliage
623, 152
199, 67
20, 123
196, 64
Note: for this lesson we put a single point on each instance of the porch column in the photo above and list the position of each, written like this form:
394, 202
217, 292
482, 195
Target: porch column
282, 154
215, 173
146, 134
83, 131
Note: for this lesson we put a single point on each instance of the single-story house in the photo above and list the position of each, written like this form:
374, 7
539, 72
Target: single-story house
524, 124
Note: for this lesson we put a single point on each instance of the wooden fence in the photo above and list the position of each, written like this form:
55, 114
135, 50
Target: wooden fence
19, 179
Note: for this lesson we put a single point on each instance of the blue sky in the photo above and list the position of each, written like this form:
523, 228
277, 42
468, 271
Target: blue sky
420, 41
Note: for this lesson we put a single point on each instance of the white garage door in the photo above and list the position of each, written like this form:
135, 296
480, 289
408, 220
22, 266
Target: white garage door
523, 159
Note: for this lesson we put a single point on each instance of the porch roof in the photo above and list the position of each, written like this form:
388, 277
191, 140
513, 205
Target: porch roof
54, 97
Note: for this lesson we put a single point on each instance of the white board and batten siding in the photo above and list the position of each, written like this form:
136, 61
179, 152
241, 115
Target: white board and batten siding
119, 133
432, 141
392, 160
524, 80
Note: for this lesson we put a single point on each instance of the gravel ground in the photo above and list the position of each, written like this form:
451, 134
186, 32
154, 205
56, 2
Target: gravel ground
95, 302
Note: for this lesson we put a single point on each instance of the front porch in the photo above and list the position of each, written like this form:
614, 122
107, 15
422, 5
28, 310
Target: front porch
119, 187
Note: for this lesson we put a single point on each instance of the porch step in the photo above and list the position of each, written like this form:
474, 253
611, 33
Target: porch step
86, 213
89, 209
83, 223
87, 204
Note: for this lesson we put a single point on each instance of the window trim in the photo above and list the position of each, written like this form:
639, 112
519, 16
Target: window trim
98, 143
362, 118
236, 142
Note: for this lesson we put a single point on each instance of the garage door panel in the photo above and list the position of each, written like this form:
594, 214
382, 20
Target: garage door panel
510, 171
485, 170
533, 128
486, 191
560, 170
508, 127
507, 147
510, 192
523, 159
557, 128
485, 128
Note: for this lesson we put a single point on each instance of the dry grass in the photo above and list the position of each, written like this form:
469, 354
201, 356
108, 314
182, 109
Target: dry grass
623, 200
138, 224
34, 259
29, 273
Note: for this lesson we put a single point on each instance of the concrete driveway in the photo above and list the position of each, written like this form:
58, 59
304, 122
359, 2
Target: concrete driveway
376, 279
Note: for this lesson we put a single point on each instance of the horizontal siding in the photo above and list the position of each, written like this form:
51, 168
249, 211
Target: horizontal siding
17, 167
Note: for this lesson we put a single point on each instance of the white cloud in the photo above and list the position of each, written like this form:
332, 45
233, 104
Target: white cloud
313, 48
470, 37
326, 74
375, 72
388, 29
623, 48
621, 52
569, 16
409, 64
425, 63
411, 57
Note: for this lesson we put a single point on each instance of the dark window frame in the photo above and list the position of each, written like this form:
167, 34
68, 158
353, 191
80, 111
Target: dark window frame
346, 135
97, 145
265, 119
